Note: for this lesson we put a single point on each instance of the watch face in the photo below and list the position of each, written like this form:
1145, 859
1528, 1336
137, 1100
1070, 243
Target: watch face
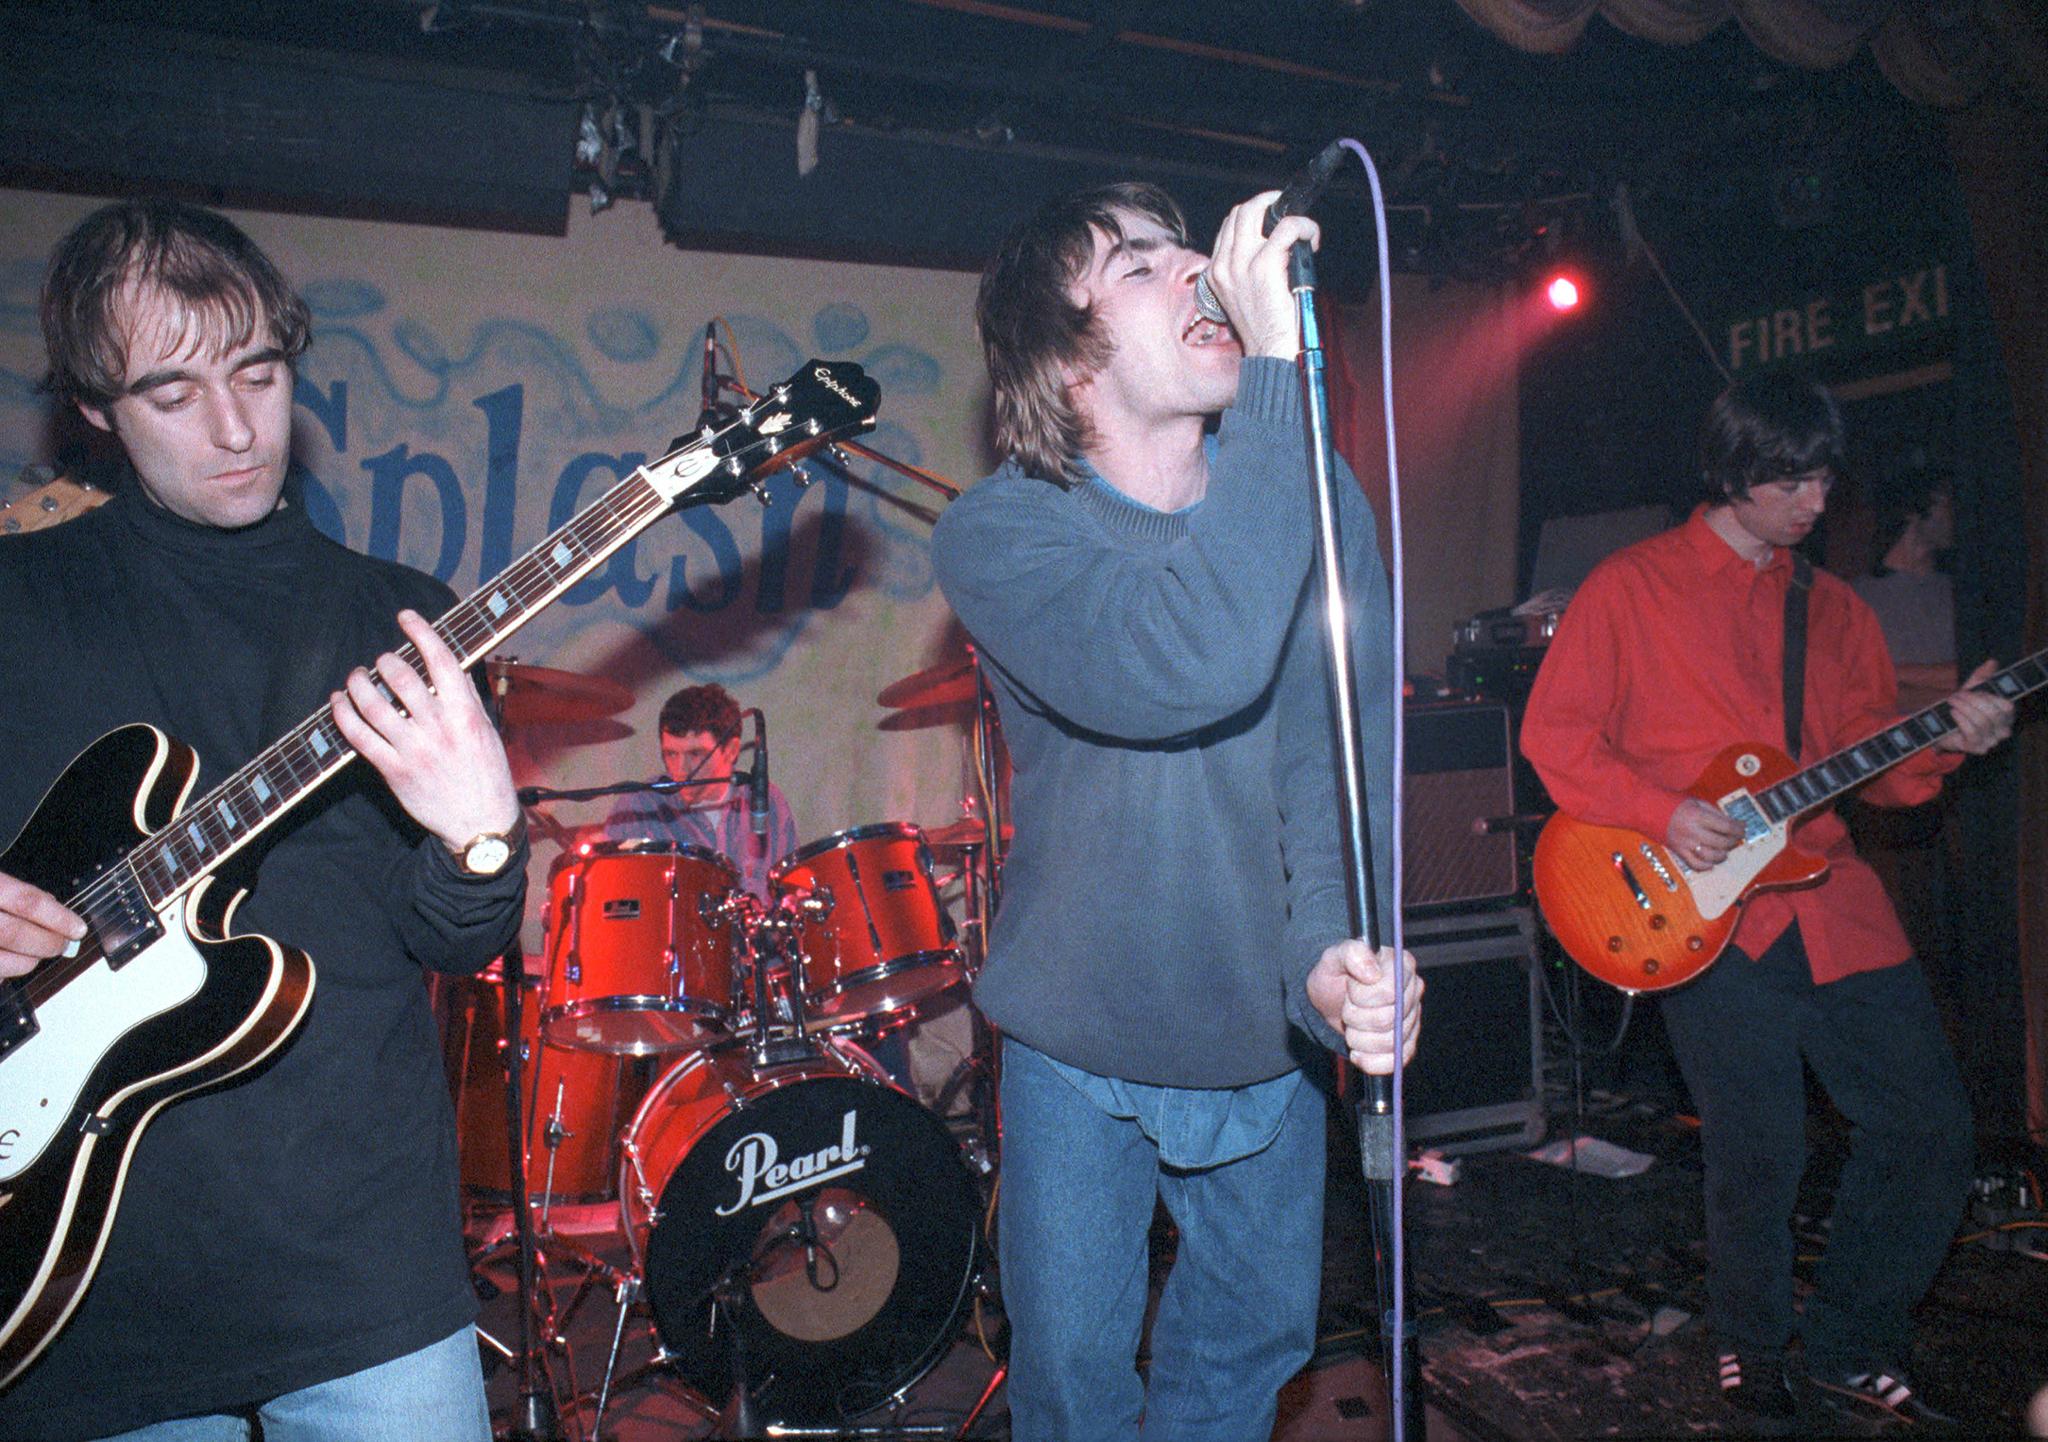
487, 855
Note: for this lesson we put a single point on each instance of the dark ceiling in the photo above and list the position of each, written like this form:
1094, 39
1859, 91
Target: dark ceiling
939, 119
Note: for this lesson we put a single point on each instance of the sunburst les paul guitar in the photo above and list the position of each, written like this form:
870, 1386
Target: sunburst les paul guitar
1628, 910
161, 999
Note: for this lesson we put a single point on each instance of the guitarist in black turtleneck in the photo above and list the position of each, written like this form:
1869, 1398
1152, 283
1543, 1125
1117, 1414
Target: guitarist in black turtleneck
284, 1244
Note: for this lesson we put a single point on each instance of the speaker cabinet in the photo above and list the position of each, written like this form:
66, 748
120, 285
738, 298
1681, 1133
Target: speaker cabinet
1458, 778
1476, 1083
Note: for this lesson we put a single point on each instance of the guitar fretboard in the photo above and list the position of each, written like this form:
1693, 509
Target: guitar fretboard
216, 825
1850, 767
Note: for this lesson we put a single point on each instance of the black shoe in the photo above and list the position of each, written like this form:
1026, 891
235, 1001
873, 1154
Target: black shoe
1754, 1382
1883, 1390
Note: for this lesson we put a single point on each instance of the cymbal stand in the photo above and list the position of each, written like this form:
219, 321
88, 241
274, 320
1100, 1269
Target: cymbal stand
536, 1417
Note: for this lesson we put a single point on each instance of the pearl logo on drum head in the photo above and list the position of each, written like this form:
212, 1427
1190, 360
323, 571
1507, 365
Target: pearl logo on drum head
753, 1160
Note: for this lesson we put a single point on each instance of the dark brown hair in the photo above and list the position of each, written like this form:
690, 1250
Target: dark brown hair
701, 708
1031, 330
1768, 426
195, 256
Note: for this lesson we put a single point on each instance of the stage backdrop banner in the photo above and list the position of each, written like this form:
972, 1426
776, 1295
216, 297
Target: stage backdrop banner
468, 391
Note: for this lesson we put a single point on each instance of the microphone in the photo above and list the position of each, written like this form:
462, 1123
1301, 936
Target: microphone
709, 383
1294, 198
757, 780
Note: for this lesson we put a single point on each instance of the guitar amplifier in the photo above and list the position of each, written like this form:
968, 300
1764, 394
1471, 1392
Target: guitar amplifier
1476, 1083
1459, 777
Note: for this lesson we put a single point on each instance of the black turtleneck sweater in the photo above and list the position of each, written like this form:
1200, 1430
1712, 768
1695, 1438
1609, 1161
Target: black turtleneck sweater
301, 1223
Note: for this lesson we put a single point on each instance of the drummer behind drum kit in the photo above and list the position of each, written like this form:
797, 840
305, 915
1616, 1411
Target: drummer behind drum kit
805, 1234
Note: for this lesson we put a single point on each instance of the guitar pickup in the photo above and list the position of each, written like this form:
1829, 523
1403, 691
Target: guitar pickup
1621, 865
121, 921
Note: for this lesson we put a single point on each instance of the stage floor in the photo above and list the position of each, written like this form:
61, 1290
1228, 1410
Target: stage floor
1550, 1305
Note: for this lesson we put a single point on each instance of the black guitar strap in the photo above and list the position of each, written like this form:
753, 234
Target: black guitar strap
1795, 651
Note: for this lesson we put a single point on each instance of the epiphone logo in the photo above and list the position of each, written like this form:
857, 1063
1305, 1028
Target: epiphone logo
763, 1176
824, 378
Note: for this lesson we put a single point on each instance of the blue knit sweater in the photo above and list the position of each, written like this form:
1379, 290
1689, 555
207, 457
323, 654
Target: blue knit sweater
1177, 867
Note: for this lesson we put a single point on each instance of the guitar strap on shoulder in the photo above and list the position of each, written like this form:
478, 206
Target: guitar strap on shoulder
1795, 651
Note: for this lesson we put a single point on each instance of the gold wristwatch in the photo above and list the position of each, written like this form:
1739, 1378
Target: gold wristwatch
488, 852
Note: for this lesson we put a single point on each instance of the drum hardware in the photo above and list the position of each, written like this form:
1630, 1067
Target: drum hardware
885, 944
637, 962
530, 695
535, 1418
832, 1212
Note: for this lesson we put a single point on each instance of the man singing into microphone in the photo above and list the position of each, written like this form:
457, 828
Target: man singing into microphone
1174, 934
700, 738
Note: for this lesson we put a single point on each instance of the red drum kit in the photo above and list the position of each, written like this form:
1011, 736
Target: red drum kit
802, 1233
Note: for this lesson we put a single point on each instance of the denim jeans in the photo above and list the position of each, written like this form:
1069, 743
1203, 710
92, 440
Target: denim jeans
1876, 1044
433, 1395
1237, 1315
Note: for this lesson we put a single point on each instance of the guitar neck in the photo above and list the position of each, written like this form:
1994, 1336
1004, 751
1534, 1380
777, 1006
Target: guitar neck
822, 401
1830, 777
233, 813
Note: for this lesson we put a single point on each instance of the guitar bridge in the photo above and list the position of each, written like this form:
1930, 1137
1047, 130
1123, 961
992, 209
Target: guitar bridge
1621, 865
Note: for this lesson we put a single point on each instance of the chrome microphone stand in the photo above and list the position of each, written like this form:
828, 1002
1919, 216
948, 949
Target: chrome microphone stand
1379, 1123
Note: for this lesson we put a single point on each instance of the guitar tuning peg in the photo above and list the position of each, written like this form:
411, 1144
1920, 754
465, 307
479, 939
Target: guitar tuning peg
801, 474
760, 490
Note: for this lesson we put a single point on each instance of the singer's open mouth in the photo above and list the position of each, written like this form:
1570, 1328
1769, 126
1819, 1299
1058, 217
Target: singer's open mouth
1203, 331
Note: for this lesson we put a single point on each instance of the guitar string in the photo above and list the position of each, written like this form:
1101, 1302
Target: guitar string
289, 753
2029, 674
625, 508
630, 506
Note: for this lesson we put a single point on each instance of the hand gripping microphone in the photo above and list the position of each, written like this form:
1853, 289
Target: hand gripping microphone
1294, 198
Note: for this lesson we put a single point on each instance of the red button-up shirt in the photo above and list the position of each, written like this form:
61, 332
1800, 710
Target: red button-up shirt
1674, 649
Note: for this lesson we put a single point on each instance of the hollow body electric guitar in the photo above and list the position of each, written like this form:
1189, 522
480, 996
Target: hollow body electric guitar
1628, 910
156, 1003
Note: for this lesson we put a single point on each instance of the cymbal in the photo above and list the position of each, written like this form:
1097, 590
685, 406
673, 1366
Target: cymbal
950, 680
529, 694
968, 831
917, 718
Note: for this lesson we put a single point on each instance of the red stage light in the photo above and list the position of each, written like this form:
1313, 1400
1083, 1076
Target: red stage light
1563, 292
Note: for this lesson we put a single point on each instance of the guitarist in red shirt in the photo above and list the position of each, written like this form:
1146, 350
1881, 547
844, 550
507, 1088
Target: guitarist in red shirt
1673, 649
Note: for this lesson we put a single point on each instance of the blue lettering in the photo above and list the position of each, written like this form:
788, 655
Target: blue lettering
388, 475
831, 581
725, 555
503, 411
777, 517
620, 574
331, 410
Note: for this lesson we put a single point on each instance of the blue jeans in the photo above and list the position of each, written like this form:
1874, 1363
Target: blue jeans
1875, 1041
433, 1395
1237, 1316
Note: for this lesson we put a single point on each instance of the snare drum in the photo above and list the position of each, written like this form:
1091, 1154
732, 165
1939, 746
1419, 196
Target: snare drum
639, 958
884, 943
835, 1211
593, 1097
